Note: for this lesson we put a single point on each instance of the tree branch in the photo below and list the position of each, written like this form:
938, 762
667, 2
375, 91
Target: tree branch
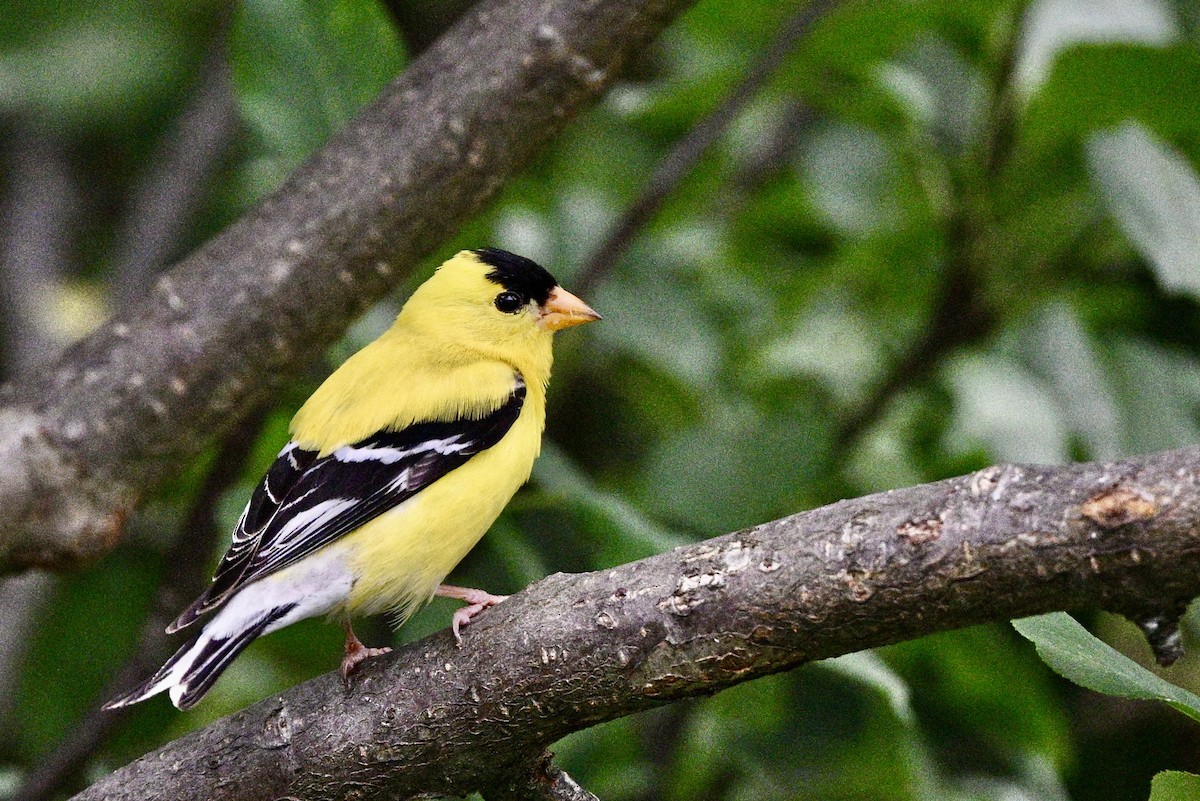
541, 780
40, 219
575, 650
961, 314
185, 577
81, 441
39, 223
684, 157
960, 317
166, 199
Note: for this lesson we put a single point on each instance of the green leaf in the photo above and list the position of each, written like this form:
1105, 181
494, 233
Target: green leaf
95, 607
867, 668
90, 75
1156, 390
1093, 87
939, 89
1175, 785
1051, 27
1001, 403
658, 318
1075, 654
302, 68
851, 175
639, 536
953, 676
834, 341
738, 468
1154, 195
1059, 348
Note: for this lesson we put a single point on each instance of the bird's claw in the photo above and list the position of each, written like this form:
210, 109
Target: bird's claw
478, 600
352, 661
355, 657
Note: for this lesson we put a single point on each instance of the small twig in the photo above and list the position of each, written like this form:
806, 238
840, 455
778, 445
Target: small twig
960, 314
773, 157
682, 160
184, 578
960, 317
540, 780
1000, 129
168, 196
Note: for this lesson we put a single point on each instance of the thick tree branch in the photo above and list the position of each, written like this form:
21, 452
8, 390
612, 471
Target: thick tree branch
185, 577
540, 780
574, 650
81, 441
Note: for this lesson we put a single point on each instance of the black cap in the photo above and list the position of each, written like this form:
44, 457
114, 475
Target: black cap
518, 274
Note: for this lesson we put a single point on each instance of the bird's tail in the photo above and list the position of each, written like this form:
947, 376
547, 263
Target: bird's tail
195, 667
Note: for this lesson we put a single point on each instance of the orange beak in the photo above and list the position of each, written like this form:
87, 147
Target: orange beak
563, 310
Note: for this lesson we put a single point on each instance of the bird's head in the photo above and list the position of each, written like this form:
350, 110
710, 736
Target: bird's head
498, 303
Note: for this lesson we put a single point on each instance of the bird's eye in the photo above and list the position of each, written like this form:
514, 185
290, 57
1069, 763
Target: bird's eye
509, 302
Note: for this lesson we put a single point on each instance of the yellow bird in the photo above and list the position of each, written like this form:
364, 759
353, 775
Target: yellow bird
398, 464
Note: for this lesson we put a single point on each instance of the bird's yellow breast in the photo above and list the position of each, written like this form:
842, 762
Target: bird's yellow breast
419, 372
399, 558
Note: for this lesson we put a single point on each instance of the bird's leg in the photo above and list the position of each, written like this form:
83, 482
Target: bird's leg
477, 601
356, 652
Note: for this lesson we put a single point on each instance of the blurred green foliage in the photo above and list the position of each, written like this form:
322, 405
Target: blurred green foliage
1033, 164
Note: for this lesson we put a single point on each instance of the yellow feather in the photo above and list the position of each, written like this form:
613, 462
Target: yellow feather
449, 354
454, 352
402, 556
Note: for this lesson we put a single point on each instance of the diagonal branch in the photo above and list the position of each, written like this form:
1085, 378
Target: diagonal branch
185, 577
575, 650
961, 314
683, 158
960, 317
84, 439
540, 780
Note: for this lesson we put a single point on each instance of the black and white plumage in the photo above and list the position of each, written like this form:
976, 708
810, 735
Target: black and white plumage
304, 502
401, 460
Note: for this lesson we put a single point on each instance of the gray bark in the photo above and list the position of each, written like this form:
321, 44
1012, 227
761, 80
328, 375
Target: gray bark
575, 650
83, 439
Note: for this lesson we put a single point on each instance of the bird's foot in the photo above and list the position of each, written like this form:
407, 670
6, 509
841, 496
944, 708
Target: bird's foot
477, 601
356, 653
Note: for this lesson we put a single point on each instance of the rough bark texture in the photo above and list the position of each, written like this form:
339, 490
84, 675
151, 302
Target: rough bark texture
575, 650
82, 439
540, 780
185, 576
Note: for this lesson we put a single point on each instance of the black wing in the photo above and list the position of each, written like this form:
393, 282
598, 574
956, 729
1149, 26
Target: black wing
303, 502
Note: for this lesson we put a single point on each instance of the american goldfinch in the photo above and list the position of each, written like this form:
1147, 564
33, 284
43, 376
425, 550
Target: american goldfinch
397, 466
